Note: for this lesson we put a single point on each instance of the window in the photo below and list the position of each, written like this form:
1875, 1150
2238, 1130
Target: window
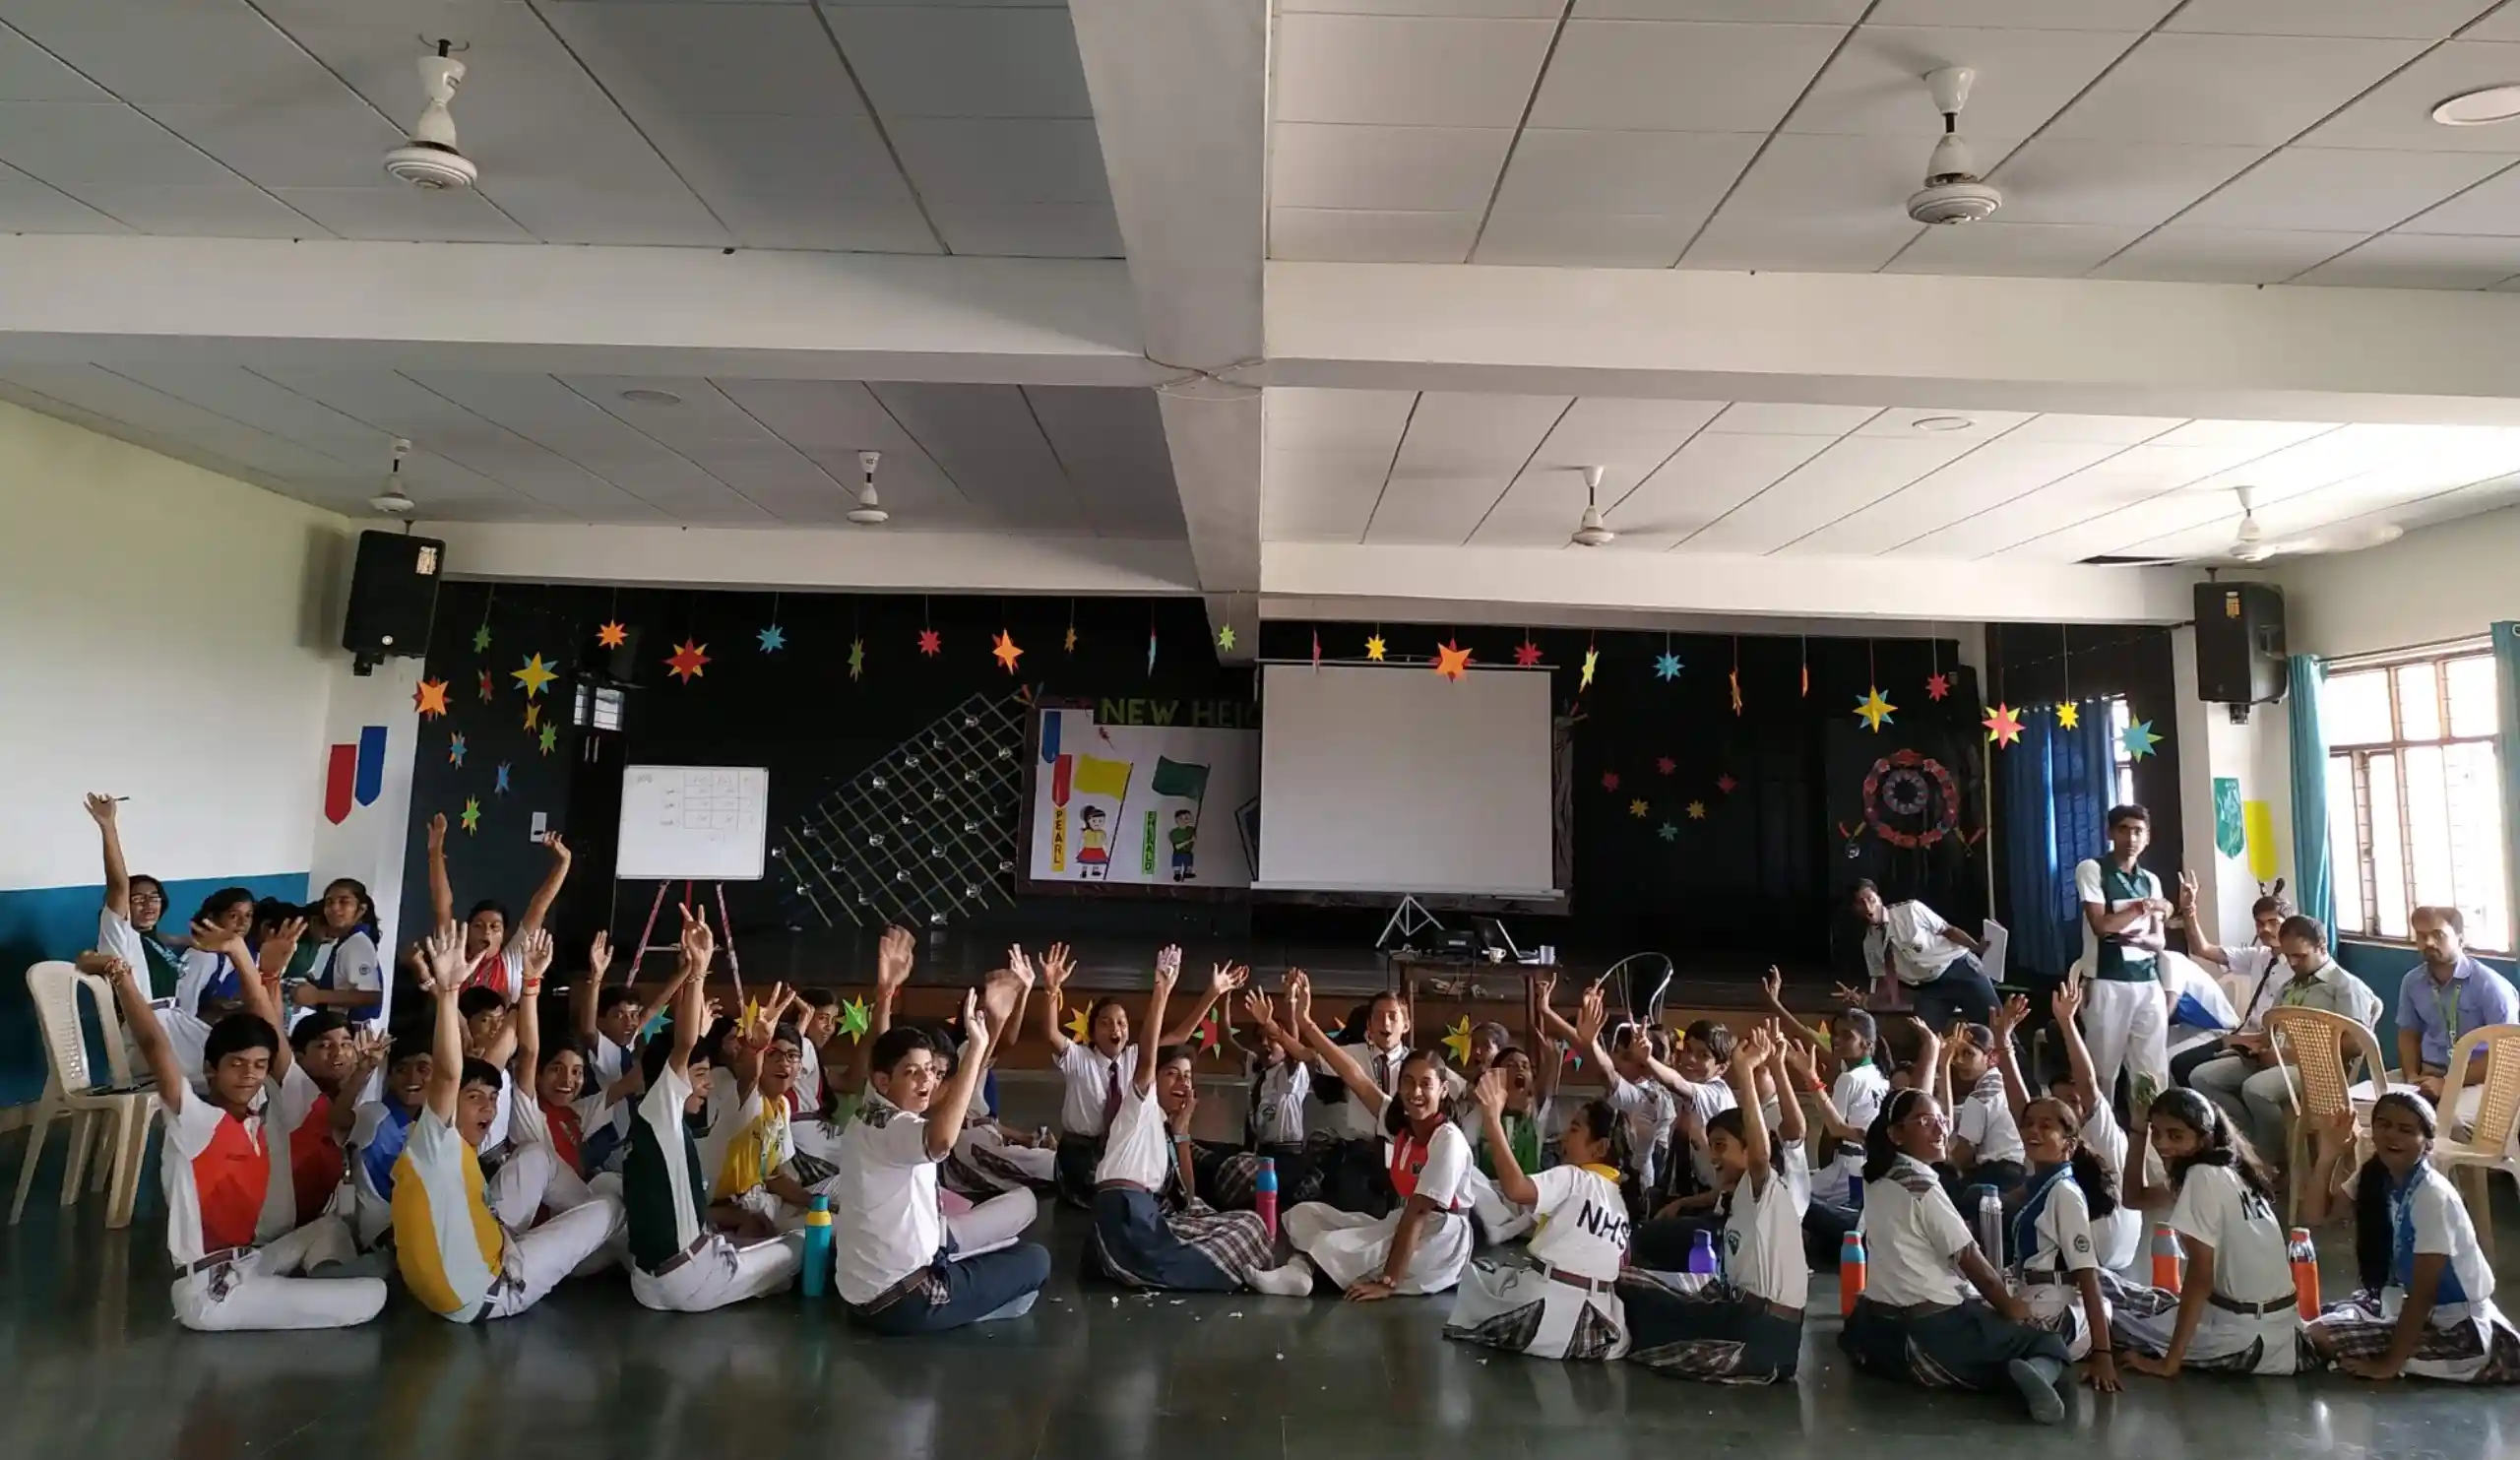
2120, 720
2414, 796
597, 707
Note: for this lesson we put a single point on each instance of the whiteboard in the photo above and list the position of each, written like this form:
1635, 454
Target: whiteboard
1396, 780
693, 821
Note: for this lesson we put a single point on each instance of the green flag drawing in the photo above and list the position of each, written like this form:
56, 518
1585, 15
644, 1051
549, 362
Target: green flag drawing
1173, 778
2229, 838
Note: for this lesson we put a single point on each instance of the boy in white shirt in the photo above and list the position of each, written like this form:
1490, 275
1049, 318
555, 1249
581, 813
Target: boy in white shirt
1985, 1141
2125, 1019
1908, 944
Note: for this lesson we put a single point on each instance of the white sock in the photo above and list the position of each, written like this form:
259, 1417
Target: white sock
1294, 1280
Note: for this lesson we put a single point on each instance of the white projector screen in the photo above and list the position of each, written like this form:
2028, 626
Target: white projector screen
1400, 781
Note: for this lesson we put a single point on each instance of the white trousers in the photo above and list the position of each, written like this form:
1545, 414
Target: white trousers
721, 1273
996, 1223
258, 1290
2126, 1025
541, 1257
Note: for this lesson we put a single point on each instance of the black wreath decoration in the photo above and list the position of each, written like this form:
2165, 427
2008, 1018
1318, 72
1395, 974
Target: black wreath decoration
1904, 783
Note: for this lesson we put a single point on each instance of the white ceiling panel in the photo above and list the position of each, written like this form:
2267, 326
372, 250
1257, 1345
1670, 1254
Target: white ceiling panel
69, 144
1665, 174
701, 416
1629, 440
335, 142
1378, 236
2343, 189
1851, 473
759, 155
395, 213
2421, 261
1033, 231
1709, 477
1406, 71
2398, 113
1816, 245
1112, 445
1678, 76
544, 410
826, 223
1596, 240
1986, 477
2491, 207
1950, 422
1313, 416
2229, 88
31, 207
2502, 25
832, 420
204, 51
2096, 430
1472, 9
1460, 454
1873, 86
30, 73
2180, 253
1408, 170
986, 437
950, 60
2422, 19
234, 210
2040, 14
1789, 419
2134, 475
2038, 250
123, 399
1766, 12
2250, 438
2073, 181
669, 58
992, 159
1319, 496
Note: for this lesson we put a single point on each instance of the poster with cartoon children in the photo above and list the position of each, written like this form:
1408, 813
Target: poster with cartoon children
1127, 804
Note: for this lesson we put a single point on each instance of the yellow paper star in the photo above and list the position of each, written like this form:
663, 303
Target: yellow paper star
1451, 660
1004, 650
1373, 649
532, 716
2070, 716
1592, 656
1637, 810
1697, 811
1873, 710
1078, 1026
1457, 1039
533, 677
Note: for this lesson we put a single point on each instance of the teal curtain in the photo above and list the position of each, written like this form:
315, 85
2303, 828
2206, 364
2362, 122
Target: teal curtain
2313, 873
2507, 748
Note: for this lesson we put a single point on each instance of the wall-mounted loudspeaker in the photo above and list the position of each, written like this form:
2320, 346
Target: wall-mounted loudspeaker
2240, 658
393, 597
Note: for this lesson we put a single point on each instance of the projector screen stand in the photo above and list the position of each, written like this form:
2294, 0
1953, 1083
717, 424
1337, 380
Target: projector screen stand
1409, 918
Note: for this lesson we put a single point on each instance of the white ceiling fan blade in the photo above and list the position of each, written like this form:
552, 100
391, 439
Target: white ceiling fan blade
2338, 540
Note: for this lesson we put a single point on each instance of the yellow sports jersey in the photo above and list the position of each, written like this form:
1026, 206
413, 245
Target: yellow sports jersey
449, 1247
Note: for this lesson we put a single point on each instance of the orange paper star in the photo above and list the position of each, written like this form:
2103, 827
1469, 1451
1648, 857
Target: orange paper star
613, 635
1004, 650
532, 716
2003, 725
1451, 658
429, 698
687, 661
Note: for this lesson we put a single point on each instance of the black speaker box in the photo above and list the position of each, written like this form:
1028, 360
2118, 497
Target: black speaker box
393, 595
2240, 658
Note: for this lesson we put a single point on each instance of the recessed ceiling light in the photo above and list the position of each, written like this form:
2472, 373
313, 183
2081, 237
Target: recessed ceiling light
1941, 423
2479, 109
646, 397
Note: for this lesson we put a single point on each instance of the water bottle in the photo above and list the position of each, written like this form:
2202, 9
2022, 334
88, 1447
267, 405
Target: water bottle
1850, 1272
2306, 1272
1702, 1252
817, 1270
1264, 1195
2166, 1257
1991, 1224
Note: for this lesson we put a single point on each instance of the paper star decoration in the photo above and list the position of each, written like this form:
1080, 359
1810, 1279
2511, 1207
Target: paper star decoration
1224, 637
481, 638
1937, 686
856, 1019
1697, 811
1666, 666
487, 688
1069, 644
1667, 832
1725, 783
687, 661
2070, 716
857, 658
1002, 649
1078, 1026
1873, 710
1526, 654
472, 817
772, 639
1610, 779
455, 750
1735, 679
1316, 648
499, 787
1592, 656
1457, 1039
930, 643
1451, 658
1375, 648
536, 677
429, 698
550, 741
1150, 652
2139, 740
532, 716
1665, 764
2003, 725
1206, 1036
1637, 810
613, 634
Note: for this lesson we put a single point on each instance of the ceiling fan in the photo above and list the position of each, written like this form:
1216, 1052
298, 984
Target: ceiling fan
2250, 544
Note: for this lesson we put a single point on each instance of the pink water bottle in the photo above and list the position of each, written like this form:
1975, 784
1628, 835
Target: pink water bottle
1264, 1195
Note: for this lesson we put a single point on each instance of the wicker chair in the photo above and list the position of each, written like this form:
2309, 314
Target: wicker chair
2475, 1143
2317, 1050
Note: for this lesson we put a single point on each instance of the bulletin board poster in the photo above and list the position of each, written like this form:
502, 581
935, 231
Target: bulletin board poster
1163, 806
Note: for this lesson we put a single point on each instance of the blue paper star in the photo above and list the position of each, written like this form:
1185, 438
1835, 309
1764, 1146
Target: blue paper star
1667, 832
501, 788
1666, 666
455, 749
2139, 740
772, 639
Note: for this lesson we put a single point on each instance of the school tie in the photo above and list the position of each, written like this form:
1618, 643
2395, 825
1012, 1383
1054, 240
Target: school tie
1111, 1097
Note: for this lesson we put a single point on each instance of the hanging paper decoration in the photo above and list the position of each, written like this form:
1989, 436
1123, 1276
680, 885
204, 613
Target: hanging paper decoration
1592, 658
1002, 649
772, 639
1224, 638
1914, 789
1697, 811
613, 635
1734, 678
857, 658
2003, 725
1451, 660
532, 716
1526, 652
1209, 1036
1150, 651
1665, 764
856, 1019
1457, 1039
1375, 648
2139, 740
1078, 1026
536, 677
687, 661
1806, 666
930, 643
1873, 710
2070, 716
456, 750
1937, 685
1316, 648
481, 637
428, 697
472, 817
1637, 809
1667, 832
1610, 779
499, 785
487, 688
1069, 644
550, 741
1725, 783
1666, 666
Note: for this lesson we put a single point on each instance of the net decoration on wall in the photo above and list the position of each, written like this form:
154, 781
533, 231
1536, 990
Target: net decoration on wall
925, 835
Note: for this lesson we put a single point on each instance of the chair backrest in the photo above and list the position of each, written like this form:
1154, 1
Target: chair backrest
2498, 1089
54, 988
2319, 1048
1999, 942
109, 1020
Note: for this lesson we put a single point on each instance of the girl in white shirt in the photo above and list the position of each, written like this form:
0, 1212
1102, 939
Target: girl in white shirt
1281, 1074
2060, 1227
2426, 1308
1424, 1246
1744, 1327
348, 974
2234, 1310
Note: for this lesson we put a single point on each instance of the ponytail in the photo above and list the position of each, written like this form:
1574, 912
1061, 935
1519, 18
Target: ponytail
1878, 1152
2100, 1193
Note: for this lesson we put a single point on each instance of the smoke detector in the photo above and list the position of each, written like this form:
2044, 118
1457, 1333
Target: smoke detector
393, 501
868, 513
429, 158
1953, 192
1591, 531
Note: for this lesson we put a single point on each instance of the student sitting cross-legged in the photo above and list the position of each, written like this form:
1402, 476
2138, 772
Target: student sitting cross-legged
454, 1254
2058, 1227
2234, 1312
220, 1168
900, 1264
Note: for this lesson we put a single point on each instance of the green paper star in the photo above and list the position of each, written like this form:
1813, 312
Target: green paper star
1224, 637
857, 658
550, 738
1667, 832
472, 817
481, 639
855, 1020
2139, 740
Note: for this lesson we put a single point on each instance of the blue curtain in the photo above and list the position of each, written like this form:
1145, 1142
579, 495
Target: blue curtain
2057, 788
2507, 748
2314, 871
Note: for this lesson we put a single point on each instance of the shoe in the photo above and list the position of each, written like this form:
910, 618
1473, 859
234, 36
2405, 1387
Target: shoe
1293, 1280
2047, 1406
1015, 1309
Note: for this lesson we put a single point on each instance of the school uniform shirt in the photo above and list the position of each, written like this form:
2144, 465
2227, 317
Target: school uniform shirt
1710, 1098
1763, 1242
610, 1062
301, 1122
758, 1141
1138, 1148
1580, 1222
1984, 1120
2099, 880
1912, 1237
805, 1092
158, 968
1091, 1082
2217, 1209
1858, 1092
2427, 1216
886, 1224
2263, 972
2119, 1235
2440, 1014
1525, 1135
349, 963
1352, 1119
448, 1245
663, 1189
2053, 1232
1794, 1163
1650, 1110
1910, 939
1439, 1170
1277, 1111
205, 975
215, 1169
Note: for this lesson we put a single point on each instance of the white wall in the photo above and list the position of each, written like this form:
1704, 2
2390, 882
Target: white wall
164, 640
2259, 756
2448, 581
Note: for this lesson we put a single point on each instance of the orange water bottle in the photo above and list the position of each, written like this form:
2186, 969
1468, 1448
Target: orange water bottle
2166, 1256
1850, 1272
2306, 1272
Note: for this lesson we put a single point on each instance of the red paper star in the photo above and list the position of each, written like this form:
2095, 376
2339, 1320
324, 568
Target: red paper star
1610, 779
929, 643
1451, 660
687, 659
2003, 725
1937, 686
1667, 765
487, 688
1527, 654
1725, 783
1004, 650
429, 698
613, 635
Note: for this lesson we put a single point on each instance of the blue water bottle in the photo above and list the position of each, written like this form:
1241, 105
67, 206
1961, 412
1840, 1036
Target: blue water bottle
817, 1271
1264, 1195
1702, 1252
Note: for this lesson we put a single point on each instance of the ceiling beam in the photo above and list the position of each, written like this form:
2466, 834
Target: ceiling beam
805, 559
601, 311
2080, 345
1180, 100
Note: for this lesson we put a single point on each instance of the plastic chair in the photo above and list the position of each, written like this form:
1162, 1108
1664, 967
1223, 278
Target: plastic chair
2473, 1146
2315, 1048
120, 1177
70, 1092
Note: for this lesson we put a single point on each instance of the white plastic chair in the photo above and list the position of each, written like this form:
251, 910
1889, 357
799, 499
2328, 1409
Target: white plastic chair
2477, 1138
71, 1090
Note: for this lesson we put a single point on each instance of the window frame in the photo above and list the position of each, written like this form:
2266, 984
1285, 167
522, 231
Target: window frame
2363, 865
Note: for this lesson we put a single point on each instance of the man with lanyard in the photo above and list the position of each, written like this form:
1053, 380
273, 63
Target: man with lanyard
2126, 1021
2258, 965
2247, 1082
2446, 995
1908, 945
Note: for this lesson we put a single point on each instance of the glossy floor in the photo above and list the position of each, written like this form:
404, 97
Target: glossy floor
96, 1369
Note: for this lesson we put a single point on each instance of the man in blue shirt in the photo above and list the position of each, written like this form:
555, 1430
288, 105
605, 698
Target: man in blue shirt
2445, 997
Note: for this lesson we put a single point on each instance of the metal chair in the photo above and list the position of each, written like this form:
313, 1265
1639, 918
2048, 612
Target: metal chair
1653, 971
2479, 1120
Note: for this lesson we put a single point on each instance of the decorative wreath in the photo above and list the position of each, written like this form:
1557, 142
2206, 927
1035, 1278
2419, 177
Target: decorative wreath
1896, 784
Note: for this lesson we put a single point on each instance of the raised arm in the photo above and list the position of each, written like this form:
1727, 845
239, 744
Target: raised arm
525, 1020
446, 1047
259, 991
2065, 1004
1056, 965
1333, 1058
1511, 1179
691, 984
752, 1039
117, 872
441, 891
2200, 942
945, 1115
2007, 1019
1790, 1075
1168, 972
582, 999
370, 1047
539, 907
1799, 1063
894, 953
1743, 1073
1224, 980
1772, 989
156, 1050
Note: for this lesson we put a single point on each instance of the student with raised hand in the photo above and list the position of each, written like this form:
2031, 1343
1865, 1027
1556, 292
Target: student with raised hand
1151, 1229
1986, 1143
844, 1089
549, 1118
2425, 1307
1281, 1075
2056, 1227
127, 924
2235, 1310
1423, 1246
900, 1264
1699, 1075
489, 960
218, 964
221, 1166
455, 1255
608, 1019
1649, 1108
346, 973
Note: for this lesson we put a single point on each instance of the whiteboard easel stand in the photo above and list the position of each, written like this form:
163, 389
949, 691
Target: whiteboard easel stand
725, 936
